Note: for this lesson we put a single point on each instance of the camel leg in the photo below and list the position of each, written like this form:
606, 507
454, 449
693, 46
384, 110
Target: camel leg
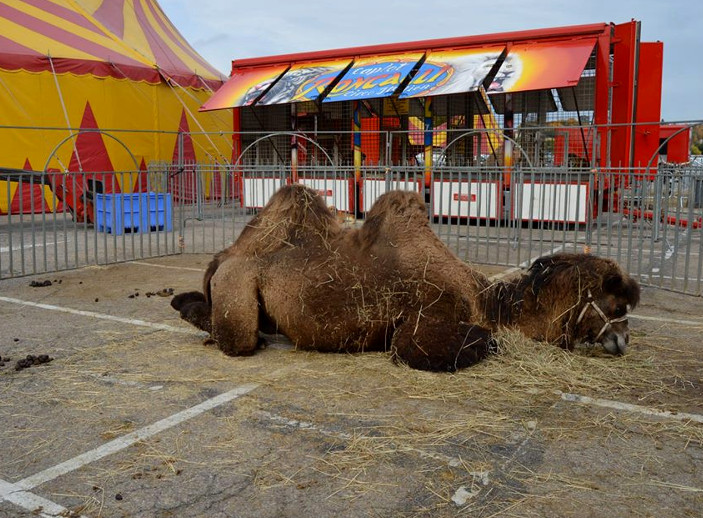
235, 312
436, 345
188, 297
193, 309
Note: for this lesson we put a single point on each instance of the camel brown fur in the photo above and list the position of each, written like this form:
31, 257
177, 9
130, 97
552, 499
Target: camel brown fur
547, 301
389, 285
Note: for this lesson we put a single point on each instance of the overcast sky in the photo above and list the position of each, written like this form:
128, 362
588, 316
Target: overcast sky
223, 30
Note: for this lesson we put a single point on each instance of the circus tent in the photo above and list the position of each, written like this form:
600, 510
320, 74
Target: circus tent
117, 66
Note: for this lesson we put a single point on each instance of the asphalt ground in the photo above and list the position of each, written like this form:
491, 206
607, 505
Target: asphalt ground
135, 416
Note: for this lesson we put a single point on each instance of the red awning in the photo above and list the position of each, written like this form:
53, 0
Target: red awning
542, 65
245, 87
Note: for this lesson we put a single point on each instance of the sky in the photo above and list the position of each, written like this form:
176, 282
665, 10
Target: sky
223, 30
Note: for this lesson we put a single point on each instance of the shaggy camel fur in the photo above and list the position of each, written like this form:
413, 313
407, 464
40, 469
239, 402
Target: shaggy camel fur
389, 285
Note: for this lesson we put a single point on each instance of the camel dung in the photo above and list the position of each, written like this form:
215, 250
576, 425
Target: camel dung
40, 284
31, 360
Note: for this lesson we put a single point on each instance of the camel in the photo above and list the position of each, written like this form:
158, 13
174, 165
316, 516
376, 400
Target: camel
393, 285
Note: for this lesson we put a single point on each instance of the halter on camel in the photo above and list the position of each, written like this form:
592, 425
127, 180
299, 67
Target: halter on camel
590, 303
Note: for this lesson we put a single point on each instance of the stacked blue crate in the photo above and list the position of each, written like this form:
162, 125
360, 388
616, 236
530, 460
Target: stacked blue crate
136, 212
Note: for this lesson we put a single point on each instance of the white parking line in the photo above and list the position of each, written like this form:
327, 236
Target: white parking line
18, 493
131, 438
103, 316
31, 502
629, 407
668, 320
167, 267
4, 249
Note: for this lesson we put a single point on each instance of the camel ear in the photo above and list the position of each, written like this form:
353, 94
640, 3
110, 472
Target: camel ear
612, 283
627, 287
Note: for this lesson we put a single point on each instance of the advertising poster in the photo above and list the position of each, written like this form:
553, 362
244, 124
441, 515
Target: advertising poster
374, 77
244, 87
304, 82
456, 71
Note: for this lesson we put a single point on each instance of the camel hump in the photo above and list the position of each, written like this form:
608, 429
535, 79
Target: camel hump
404, 204
300, 205
394, 212
294, 216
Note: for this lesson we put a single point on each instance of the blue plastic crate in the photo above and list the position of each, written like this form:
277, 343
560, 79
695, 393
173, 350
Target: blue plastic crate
136, 212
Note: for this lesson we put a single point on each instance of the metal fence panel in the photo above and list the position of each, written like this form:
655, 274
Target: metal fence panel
650, 220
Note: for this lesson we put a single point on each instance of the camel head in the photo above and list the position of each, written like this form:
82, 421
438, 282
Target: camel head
603, 316
583, 298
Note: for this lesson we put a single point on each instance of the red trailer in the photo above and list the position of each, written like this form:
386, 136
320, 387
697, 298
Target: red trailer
473, 99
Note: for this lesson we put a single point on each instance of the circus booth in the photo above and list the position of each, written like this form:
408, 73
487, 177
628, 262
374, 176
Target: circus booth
419, 115
92, 93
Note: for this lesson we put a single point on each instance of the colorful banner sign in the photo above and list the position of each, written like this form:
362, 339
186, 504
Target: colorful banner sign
304, 82
543, 65
244, 87
374, 77
453, 71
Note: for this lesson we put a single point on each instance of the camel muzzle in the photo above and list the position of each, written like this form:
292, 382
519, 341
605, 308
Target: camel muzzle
612, 341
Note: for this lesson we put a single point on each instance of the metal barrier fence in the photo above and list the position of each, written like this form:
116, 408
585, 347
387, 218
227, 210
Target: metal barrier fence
650, 221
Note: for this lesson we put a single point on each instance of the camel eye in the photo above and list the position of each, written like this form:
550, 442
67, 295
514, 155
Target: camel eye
620, 311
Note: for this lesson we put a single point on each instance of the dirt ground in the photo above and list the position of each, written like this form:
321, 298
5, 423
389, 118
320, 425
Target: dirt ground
534, 431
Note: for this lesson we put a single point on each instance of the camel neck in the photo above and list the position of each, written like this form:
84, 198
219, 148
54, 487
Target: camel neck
503, 303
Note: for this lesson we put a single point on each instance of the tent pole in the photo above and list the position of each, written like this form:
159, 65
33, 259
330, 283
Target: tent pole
169, 80
65, 114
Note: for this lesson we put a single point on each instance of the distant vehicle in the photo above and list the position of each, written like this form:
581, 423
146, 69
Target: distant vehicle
438, 158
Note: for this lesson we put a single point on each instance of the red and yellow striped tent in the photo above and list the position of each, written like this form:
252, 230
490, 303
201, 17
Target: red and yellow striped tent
119, 66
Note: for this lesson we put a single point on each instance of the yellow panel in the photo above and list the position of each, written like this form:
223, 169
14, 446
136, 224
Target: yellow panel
3, 195
43, 44
133, 34
40, 43
89, 6
31, 99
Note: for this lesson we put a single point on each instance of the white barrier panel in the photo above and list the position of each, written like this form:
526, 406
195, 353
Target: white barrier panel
554, 202
335, 192
257, 191
373, 188
466, 199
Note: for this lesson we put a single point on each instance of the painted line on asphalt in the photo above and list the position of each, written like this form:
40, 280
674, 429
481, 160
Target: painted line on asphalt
667, 320
201, 270
103, 316
131, 438
344, 436
29, 501
4, 249
629, 407
18, 493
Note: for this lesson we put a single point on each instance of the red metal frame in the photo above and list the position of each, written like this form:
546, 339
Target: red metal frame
627, 82
649, 94
625, 49
678, 148
572, 31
